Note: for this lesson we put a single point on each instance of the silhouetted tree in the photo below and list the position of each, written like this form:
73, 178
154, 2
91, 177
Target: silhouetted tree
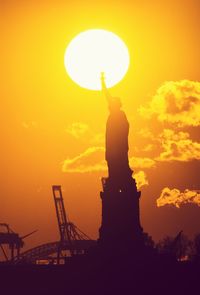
179, 247
164, 245
148, 241
197, 245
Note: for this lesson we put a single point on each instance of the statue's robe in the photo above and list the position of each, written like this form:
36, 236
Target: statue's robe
117, 129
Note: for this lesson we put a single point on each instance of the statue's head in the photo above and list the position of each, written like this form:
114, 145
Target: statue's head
115, 104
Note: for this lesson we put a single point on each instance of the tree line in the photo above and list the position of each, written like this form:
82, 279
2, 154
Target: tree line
181, 247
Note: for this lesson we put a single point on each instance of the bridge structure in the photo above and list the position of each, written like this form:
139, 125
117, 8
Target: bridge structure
12, 240
72, 240
48, 253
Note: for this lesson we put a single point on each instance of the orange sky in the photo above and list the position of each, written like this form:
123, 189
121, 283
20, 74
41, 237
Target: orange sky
47, 119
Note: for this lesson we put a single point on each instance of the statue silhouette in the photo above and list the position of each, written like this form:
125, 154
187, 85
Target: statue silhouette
117, 130
120, 198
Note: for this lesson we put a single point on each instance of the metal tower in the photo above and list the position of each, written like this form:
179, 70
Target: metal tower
72, 240
12, 240
69, 233
61, 213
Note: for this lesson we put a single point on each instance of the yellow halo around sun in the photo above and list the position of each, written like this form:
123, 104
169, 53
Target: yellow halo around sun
95, 51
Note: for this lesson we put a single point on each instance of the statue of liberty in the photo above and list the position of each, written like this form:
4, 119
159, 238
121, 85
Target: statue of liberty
120, 198
117, 130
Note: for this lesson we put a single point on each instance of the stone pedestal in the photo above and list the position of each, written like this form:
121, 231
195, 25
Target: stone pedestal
120, 214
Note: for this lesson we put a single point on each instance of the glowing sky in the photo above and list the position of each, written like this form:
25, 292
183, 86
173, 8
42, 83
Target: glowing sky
52, 131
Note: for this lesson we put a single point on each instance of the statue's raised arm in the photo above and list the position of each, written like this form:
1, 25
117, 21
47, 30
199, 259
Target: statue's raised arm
104, 88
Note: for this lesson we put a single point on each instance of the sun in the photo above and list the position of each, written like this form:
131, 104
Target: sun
95, 51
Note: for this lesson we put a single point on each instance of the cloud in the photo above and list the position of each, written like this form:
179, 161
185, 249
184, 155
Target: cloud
175, 197
148, 148
139, 162
97, 138
90, 160
146, 133
77, 129
178, 147
141, 179
80, 130
30, 124
175, 102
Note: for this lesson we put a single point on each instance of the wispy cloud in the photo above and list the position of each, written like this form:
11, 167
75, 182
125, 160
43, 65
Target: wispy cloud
175, 102
81, 130
90, 160
29, 124
140, 162
176, 198
148, 148
77, 129
146, 133
97, 138
141, 179
178, 147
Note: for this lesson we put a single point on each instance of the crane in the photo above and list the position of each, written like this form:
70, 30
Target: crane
72, 239
13, 240
69, 232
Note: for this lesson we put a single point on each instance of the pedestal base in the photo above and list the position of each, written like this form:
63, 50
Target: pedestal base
120, 215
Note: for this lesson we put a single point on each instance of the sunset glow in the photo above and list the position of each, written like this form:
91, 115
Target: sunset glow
93, 52
53, 125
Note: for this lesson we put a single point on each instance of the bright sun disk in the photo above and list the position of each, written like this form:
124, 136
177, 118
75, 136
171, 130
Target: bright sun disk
95, 51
